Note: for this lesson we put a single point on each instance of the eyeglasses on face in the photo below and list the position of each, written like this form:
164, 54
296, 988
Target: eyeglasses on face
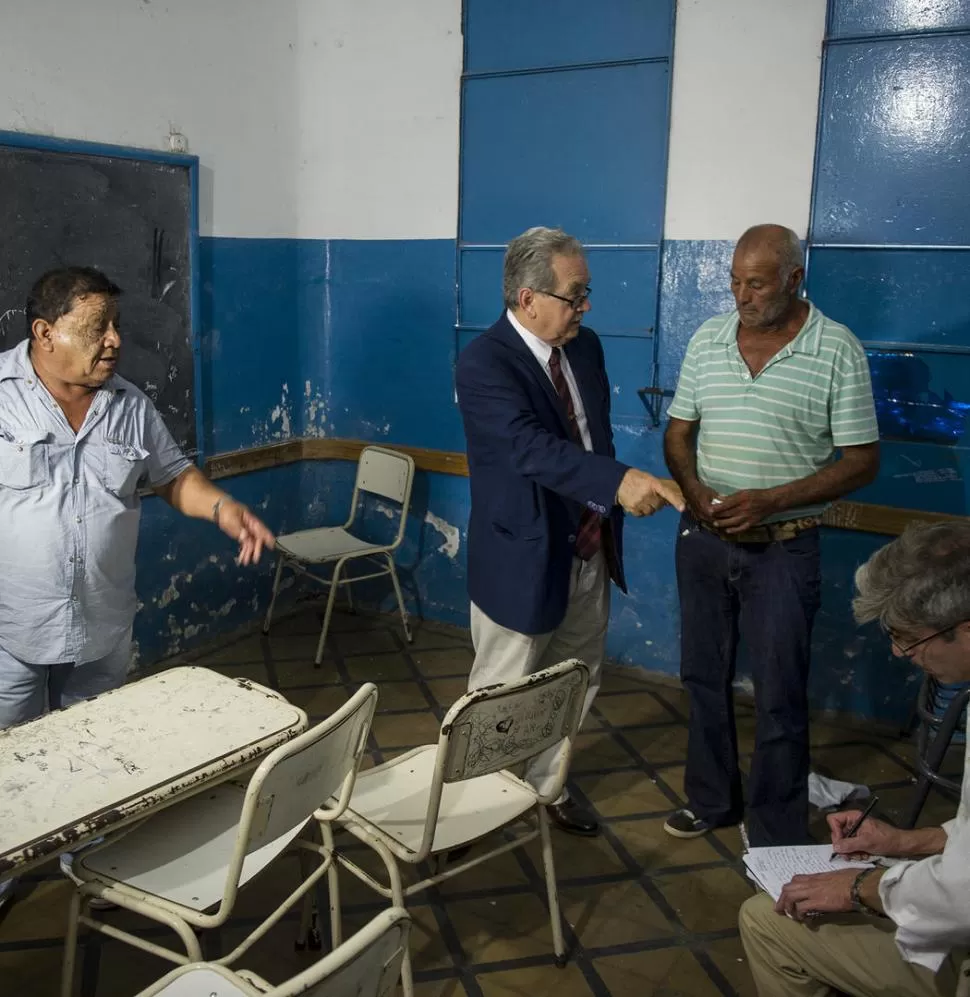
905, 649
574, 303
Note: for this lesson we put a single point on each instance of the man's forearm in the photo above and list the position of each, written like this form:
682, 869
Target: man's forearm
832, 482
920, 843
681, 457
193, 494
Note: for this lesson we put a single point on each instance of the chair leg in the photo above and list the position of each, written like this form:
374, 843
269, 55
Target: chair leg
935, 752
397, 900
331, 598
552, 890
400, 598
916, 803
333, 887
272, 598
350, 598
70, 945
308, 935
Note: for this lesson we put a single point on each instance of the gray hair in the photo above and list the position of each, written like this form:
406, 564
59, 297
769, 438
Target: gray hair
785, 243
528, 261
920, 581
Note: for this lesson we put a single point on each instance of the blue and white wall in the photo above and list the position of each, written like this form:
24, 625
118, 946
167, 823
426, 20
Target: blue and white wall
328, 134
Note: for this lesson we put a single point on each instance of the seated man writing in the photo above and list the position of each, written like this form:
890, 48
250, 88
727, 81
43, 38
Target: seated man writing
903, 930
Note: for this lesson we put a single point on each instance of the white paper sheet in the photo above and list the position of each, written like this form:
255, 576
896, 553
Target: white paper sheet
773, 868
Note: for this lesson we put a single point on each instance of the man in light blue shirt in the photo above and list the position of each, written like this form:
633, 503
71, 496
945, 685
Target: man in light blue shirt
76, 443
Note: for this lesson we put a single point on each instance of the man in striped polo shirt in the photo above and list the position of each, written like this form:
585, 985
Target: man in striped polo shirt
773, 419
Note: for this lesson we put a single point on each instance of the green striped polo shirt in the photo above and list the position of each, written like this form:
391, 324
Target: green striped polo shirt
757, 432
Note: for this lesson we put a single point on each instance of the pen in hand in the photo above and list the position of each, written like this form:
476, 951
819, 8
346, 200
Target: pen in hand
851, 833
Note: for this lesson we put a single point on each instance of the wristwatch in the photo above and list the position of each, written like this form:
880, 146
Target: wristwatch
858, 904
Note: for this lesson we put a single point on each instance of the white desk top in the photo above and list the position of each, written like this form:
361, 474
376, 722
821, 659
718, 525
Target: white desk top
75, 774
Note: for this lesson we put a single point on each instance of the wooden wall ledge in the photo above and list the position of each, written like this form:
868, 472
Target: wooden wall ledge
864, 516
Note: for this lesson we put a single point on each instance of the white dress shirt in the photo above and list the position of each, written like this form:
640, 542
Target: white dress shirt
929, 900
542, 351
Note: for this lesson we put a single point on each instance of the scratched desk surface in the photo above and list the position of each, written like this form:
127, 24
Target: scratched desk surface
81, 772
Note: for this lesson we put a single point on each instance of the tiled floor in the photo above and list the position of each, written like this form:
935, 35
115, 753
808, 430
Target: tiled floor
648, 916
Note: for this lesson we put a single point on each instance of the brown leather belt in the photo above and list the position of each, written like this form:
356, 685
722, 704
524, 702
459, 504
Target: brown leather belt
767, 532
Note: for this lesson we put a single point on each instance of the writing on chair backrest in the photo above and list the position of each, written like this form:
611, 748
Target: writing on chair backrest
496, 729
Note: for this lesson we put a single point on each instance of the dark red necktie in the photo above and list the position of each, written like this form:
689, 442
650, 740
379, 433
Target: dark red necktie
588, 538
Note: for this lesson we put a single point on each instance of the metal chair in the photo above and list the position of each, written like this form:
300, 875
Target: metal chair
183, 867
385, 473
941, 709
367, 965
443, 796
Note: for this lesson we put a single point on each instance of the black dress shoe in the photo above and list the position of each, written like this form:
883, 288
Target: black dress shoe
570, 816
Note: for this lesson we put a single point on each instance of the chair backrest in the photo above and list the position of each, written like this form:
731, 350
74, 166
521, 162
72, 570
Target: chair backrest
389, 474
368, 964
502, 725
293, 782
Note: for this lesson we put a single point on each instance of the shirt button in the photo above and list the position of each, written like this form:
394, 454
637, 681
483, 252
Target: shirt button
75, 481
571, 539
71, 559
78, 520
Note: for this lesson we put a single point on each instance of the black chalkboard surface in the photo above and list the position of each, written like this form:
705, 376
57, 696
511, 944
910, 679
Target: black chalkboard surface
131, 218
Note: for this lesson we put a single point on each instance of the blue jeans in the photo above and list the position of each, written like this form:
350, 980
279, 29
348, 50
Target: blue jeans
26, 691
764, 595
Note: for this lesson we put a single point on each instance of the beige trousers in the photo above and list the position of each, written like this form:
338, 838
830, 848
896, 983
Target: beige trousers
503, 655
850, 954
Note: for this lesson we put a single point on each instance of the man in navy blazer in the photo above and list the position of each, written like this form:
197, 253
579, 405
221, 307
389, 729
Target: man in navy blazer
548, 495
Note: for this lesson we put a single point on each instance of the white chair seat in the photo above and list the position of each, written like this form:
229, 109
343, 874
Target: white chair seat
202, 981
182, 854
393, 799
324, 544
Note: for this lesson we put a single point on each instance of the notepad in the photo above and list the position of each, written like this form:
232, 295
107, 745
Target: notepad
773, 868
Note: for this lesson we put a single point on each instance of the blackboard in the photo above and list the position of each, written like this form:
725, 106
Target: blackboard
131, 218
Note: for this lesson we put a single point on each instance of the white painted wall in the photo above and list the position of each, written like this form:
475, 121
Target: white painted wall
745, 101
379, 99
222, 72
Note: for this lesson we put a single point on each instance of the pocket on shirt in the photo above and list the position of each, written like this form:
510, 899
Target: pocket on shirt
24, 460
125, 464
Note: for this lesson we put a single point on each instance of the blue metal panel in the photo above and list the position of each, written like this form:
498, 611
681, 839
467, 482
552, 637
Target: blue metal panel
623, 280
249, 348
392, 306
629, 366
921, 476
584, 149
894, 147
898, 296
923, 397
696, 286
525, 34
872, 17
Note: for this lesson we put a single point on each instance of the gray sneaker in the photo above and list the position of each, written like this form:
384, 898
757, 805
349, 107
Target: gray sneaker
683, 824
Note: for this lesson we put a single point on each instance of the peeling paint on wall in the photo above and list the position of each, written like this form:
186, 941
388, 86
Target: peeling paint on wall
281, 413
279, 425
451, 534
314, 412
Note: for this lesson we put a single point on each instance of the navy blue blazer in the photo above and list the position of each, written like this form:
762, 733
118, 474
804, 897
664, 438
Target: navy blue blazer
529, 481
